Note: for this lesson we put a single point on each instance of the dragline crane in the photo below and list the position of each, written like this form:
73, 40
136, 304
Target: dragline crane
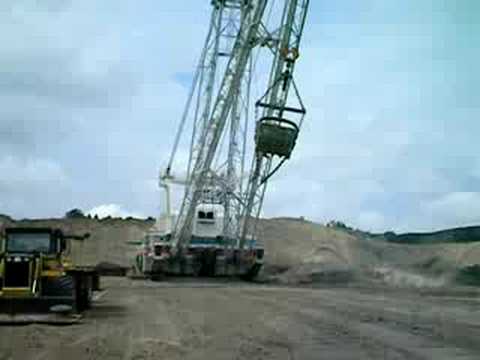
250, 44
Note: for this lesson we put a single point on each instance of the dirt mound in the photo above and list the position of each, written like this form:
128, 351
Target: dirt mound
300, 251
289, 242
297, 251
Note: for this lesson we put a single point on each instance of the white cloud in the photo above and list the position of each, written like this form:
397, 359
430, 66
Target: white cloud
453, 209
14, 170
35, 187
371, 221
113, 210
383, 120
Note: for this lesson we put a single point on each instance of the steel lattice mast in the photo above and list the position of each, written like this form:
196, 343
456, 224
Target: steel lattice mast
212, 123
286, 52
219, 108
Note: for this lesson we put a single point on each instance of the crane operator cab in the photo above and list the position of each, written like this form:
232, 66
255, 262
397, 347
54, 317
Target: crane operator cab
208, 225
206, 247
211, 253
209, 218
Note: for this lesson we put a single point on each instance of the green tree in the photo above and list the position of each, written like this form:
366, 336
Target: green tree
74, 214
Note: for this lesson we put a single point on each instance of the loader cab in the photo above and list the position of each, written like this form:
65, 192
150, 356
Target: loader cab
33, 241
23, 249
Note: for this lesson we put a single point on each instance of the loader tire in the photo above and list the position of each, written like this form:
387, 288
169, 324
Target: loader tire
61, 286
86, 299
84, 292
157, 277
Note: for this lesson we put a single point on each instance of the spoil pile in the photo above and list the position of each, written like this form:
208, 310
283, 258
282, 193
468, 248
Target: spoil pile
301, 251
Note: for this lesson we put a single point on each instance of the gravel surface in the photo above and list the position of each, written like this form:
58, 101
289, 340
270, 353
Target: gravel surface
187, 319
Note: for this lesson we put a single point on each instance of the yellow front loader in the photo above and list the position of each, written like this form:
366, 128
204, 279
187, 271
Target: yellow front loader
37, 275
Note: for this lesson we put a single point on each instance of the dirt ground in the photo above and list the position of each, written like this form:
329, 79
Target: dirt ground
195, 319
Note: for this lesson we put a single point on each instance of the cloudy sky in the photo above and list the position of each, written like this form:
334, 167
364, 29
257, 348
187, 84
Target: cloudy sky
91, 92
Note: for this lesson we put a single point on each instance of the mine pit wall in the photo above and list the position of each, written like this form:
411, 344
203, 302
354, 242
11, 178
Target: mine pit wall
301, 248
286, 241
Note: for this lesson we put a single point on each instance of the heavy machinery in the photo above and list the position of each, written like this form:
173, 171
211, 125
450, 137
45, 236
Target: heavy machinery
215, 231
38, 276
